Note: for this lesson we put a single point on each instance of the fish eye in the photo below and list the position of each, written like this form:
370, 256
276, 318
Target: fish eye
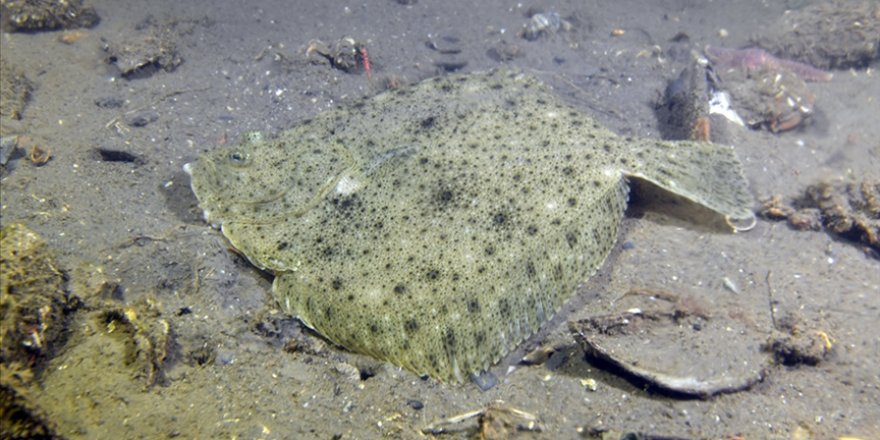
238, 158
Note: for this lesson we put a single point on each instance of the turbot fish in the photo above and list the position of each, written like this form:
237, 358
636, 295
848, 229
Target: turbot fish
437, 226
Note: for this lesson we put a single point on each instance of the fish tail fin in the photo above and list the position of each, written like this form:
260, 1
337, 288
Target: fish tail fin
707, 174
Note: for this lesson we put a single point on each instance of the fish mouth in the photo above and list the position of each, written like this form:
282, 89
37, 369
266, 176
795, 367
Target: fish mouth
206, 214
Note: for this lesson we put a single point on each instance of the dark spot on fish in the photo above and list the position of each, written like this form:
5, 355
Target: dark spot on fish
557, 271
479, 337
445, 196
504, 308
449, 341
411, 326
345, 203
473, 305
427, 122
399, 289
571, 239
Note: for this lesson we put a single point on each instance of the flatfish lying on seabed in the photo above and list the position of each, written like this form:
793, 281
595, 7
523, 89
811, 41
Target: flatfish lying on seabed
437, 226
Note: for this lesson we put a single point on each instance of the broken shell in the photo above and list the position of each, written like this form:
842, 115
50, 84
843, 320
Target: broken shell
541, 24
39, 156
590, 384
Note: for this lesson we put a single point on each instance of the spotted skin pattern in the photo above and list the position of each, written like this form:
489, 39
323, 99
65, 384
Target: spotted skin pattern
437, 226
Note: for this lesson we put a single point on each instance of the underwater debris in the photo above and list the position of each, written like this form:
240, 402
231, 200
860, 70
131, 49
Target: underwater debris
345, 54
838, 34
684, 109
767, 92
47, 15
149, 337
39, 156
752, 59
797, 342
148, 48
15, 91
681, 360
543, 23
34, 304
20, 415
849, 209
8, 148
495, 421
503, 51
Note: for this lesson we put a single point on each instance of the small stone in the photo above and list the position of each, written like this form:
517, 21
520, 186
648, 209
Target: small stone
8, 145
484, 380
142, 118
415, 404
109, 102
590, 384
224, 358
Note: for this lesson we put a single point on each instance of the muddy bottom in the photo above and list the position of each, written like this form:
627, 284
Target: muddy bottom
168, 333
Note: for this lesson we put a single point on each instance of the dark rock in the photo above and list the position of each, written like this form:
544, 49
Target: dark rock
109, 102
142, 118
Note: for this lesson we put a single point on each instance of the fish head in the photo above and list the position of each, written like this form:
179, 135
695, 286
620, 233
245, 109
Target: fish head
265, 181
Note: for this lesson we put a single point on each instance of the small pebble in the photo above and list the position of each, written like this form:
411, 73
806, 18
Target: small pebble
225, 358
8, 145
415, 404
109, 102
590, 384
730, 285
485, 380
142, 118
